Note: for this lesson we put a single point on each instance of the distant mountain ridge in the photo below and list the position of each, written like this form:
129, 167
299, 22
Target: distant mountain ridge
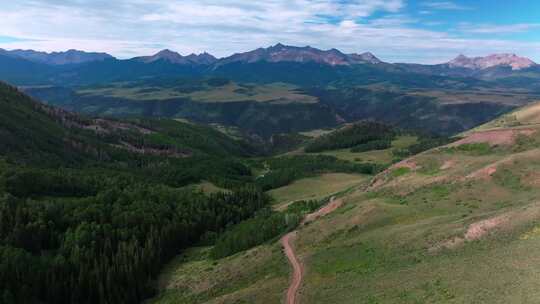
284, 53
481, 63
274, 54
176, 58
57, 58
304, 66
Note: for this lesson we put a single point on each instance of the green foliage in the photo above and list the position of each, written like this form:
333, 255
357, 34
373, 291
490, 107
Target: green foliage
106, 247
400, 171
265, 226
304, 207
424, 143
476, 149
524, 143
380, 144
39, 182
253, 232
190, 137
358, 134
281, 143
64, 138
286, 169
508, 179
91, 209
440, 191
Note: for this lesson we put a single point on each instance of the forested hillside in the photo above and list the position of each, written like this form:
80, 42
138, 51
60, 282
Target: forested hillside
90, 208
364, 135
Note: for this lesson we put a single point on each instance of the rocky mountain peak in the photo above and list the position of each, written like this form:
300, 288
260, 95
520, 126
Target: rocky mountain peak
285, 53
494, 60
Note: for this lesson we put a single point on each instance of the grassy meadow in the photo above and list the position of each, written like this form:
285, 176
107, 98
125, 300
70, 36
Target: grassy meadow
315, 188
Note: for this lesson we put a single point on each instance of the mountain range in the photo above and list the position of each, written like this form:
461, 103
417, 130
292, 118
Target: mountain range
319, 88
56, 58
273, 54
283, 53
305, 66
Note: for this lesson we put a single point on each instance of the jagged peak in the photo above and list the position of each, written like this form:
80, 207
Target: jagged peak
167, 52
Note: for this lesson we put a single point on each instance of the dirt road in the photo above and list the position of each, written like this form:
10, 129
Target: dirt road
288, 239
298, 270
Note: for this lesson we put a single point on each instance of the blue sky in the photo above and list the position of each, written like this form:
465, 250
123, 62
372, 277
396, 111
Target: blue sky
424, 31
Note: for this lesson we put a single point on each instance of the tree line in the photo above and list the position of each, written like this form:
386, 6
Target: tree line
351, 136
286, 169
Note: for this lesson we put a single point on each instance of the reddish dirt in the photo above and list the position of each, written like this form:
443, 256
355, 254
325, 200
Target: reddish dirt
479, 229
381, 178
484, 173
328, 208
286, 242
448, 164
407, 163
476, 231
298, 270
487, 171
494, 137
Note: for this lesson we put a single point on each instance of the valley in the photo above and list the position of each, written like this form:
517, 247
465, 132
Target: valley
279, 175
469, 206
282, 89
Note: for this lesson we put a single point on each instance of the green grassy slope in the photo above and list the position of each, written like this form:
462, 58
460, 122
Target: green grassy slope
456, 224
263, 276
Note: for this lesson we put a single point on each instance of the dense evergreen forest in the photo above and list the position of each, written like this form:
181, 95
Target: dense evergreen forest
105, 248
91, 208
362, 135
264, 226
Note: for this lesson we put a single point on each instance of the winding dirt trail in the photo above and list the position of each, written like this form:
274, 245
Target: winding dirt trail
298, 269
288, 239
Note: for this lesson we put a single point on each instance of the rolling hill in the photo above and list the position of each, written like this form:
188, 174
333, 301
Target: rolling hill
455, 224
268, 109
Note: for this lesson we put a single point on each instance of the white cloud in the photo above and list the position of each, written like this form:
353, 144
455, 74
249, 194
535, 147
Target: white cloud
498, 29
127, 28
445, 5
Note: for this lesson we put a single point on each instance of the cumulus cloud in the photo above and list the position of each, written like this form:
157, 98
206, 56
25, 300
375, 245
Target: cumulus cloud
127, 28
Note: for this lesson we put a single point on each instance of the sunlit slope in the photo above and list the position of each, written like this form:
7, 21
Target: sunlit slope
525, 116
457, 224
